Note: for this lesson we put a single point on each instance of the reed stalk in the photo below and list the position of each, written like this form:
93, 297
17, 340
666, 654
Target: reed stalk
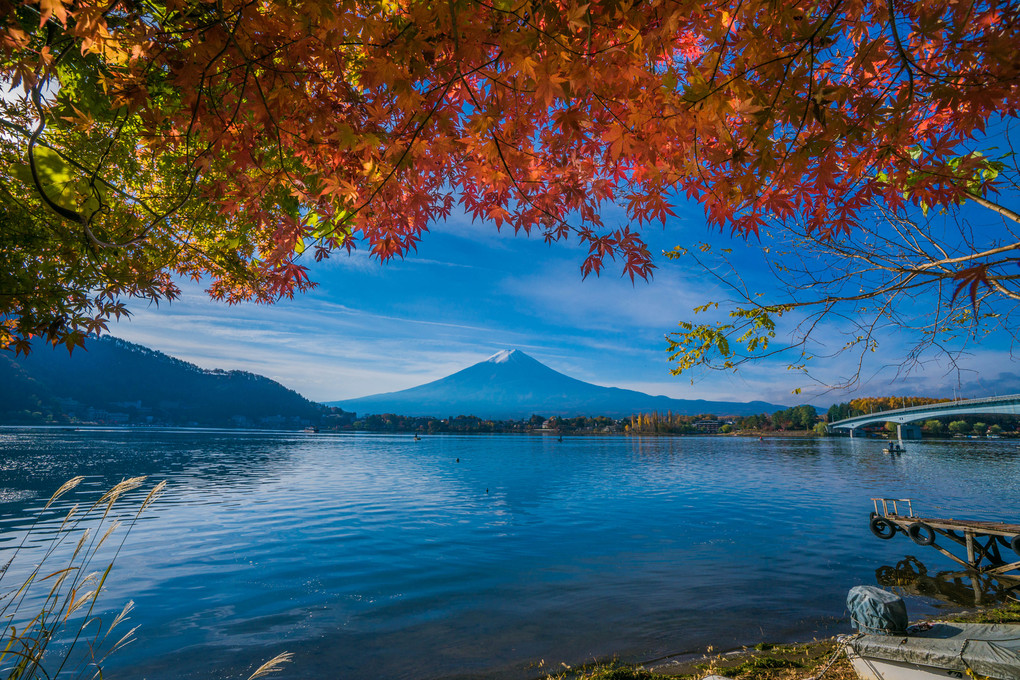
51, 625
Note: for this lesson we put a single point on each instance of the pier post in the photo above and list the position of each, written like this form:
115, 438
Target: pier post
970, 547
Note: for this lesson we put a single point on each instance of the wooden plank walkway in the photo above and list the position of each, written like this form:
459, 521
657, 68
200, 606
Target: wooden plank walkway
990, 528
981, 539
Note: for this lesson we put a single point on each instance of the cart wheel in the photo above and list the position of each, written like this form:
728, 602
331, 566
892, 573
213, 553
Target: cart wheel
882, 528
921, 533
1015, 544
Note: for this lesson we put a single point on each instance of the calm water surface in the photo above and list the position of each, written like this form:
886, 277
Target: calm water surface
381, 557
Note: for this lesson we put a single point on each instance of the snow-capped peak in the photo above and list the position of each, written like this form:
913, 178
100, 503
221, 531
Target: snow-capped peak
501, 357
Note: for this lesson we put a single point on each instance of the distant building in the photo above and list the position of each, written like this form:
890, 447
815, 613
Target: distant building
709, 426
103, 416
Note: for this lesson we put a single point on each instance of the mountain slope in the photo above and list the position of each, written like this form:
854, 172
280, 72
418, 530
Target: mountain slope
511, 384
148, 386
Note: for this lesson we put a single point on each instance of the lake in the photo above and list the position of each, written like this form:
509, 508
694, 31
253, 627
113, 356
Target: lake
375, 556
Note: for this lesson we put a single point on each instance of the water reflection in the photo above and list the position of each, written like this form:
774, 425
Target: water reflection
457, 556
910, 576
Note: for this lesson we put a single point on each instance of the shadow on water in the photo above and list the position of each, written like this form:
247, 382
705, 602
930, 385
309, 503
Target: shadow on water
910, 576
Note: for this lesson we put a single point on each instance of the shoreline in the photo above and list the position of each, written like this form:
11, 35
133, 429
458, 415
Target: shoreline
765, 661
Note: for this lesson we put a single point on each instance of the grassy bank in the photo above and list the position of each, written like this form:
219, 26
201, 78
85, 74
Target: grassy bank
767, 662
762, 662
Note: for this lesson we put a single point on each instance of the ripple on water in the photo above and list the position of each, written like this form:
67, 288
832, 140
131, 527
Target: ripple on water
371, 556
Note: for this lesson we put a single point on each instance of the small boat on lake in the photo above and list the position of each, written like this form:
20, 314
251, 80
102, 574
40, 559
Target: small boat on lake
311, 430
887, 649
894, 447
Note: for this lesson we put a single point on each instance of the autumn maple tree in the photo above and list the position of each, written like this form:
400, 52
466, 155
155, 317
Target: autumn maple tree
877, 174
226, 140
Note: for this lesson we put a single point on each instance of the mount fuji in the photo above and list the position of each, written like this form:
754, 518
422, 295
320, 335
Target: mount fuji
510, 384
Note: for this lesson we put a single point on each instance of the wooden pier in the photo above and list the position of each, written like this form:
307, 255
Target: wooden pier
993, 548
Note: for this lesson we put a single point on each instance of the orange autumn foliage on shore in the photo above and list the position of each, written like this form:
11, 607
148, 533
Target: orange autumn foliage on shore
877, 404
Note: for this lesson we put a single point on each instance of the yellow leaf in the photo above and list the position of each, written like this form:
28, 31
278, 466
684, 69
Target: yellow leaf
48, 8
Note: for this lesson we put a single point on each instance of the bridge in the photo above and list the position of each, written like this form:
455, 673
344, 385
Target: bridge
1007, 405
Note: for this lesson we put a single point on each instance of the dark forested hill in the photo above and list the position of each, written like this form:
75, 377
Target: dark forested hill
118, 382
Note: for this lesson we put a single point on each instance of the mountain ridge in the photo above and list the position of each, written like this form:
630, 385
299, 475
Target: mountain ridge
511, 384
129, 383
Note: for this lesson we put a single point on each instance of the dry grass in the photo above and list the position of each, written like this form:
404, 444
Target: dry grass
780, 662
768, 662
53, 602
271, 666
1006, 613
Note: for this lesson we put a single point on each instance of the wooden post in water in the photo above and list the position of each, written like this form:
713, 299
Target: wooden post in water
970, 546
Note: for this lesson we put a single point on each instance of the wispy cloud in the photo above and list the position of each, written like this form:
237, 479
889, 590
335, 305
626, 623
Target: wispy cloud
323, 349
470, 292
557, 291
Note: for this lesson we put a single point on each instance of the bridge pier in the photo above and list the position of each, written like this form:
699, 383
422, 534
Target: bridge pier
907, 431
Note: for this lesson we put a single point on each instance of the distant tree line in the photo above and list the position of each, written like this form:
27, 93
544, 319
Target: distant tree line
977, 425
467, 424
802, 417
665, 423
675, 423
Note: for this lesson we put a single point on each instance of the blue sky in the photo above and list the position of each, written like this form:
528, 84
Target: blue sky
470, 291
